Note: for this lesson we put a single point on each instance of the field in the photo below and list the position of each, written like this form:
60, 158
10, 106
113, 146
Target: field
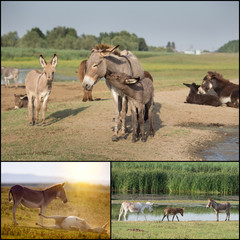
175, 230
90, 202
82, 131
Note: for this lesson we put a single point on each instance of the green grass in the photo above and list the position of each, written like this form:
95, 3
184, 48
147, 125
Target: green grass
175, 230
90, 202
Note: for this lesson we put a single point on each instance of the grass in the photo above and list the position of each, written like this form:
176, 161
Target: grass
90, 202
175, 230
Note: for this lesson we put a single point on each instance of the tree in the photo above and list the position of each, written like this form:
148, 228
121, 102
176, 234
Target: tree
173, 45
142, 46
9, 40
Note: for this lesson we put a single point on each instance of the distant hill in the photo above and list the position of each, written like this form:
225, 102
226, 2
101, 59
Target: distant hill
7, 178
230, 47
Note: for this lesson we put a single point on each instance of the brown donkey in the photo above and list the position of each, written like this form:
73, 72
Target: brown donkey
38, 87
35, 199
173, 211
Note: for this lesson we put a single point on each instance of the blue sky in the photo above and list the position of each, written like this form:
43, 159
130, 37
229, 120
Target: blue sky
90, 172
191, 25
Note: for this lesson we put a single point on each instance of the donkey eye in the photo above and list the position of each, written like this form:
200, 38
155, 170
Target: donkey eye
95, 65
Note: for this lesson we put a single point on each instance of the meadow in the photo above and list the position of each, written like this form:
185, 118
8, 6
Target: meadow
90, 202
177, 178
73, 126
175, 230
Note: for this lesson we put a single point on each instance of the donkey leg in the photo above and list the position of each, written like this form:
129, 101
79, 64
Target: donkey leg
30, 110
167, 218
134, 123
125, 214
141, 124
85, 95
44, 110
41, 214
177, 217
150, 116
16, 82
37, 109
123, 115
120, 214
45, 226
116, 118
173, 217
217, 216
90, 95
14, 212
164, 217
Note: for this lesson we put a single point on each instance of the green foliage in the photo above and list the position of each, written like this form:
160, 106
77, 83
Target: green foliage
230, 47
156, 178
9, 40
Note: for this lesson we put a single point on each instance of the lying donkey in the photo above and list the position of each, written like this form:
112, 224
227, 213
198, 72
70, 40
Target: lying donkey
140, 95
202, 99
73, 223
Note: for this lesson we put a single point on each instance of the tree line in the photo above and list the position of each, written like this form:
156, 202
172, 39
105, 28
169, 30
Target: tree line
67, 38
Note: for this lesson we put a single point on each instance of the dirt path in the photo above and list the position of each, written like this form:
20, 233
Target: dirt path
176, 124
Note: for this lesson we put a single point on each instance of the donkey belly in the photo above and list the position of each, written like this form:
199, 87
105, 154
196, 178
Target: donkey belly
225, 99
30, 204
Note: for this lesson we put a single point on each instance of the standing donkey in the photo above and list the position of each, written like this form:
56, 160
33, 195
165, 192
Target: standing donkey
35, 199
220, 207
172, 211
38, 88
8, 74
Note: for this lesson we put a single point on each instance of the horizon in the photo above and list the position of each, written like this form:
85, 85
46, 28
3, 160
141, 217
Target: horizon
189, 25
86, 172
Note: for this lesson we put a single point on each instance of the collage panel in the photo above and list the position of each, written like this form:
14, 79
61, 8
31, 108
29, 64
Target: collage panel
55, 200
171, 200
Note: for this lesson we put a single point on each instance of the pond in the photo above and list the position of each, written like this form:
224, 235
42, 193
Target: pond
192, 211
58, 76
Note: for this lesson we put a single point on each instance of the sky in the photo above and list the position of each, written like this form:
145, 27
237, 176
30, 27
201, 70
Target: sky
204, 25
88, 172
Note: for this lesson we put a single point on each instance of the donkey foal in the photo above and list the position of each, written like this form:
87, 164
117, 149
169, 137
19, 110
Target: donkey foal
140, 95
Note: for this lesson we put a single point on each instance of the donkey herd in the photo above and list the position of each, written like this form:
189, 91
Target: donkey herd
128, 83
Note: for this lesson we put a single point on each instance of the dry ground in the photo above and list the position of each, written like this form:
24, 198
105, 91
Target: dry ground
176, 124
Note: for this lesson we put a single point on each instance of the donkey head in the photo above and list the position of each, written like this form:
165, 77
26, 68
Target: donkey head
181, 211
96, 66
49, 68
209, 82
61, 193
209, 204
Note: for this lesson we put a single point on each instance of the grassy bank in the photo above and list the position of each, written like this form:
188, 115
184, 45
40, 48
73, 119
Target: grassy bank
169, 70
175, 230
89, 202
175, 178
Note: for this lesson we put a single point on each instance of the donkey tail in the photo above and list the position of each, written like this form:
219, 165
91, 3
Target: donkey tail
9, 197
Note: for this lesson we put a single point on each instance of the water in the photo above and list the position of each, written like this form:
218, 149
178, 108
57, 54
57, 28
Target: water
23, 73
192, 211
227, 150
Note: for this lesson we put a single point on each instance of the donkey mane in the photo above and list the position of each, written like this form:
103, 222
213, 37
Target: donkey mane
53, 186
103, 46
218, 77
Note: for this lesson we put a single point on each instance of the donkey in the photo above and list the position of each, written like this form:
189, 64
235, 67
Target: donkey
38, 88
8, 74
202, 99
87, 94
73, 223
172, 211
105, 58
219, 207
35, 199
134, 207
227, 92
140, 95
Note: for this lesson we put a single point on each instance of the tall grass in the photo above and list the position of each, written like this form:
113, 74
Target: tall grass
176, 178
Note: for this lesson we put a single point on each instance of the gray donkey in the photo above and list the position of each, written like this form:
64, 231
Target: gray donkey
140, 95
38, 88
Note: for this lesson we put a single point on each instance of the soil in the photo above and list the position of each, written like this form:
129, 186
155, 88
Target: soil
178, 135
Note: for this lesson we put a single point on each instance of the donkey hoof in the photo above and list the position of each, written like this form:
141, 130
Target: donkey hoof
115, 138
44, 124
31, 124
143, 139
134, 140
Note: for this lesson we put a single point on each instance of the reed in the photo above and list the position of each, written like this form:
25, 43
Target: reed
156, 178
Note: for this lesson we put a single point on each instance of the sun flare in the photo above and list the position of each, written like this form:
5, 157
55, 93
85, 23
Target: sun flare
86, 172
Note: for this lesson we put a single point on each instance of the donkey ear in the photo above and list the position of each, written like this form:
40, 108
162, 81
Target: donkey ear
54, 60
63, 184
42, 61
186, 84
